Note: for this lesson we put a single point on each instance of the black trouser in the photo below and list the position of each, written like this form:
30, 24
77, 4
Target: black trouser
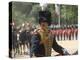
76, 36
69, 37
61, 36
58, 37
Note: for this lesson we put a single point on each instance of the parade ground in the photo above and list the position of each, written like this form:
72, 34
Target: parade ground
70, 45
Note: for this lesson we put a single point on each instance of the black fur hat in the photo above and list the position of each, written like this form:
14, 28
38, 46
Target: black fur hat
45, 16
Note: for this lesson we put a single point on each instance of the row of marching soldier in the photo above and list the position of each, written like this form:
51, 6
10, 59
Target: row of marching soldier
67, 33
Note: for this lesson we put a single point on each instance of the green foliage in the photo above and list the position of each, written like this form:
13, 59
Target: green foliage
27, 11
69, 13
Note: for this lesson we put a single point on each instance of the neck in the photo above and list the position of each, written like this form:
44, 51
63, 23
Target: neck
44, 29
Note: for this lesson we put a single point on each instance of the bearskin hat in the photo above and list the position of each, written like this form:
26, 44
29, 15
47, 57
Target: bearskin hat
45, 16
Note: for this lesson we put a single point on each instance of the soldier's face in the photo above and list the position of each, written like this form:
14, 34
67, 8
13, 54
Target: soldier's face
44, 24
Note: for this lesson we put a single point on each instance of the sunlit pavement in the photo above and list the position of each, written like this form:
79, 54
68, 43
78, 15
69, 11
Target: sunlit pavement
70, 45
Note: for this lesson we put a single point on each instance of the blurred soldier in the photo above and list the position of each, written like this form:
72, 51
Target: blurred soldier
60, 34
42, 41
76, 33
72, 32
14, 39
69, 33
53, 32
22, 38
57, 33
64, 33
29, 33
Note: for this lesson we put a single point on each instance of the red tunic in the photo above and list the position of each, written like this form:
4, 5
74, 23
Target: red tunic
69, 32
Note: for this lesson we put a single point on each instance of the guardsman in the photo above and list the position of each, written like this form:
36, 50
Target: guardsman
22, 38
69, 33
76, 33
14, 39
57, 34
64, 33
53, 32
60, 34
42, 41
72, 32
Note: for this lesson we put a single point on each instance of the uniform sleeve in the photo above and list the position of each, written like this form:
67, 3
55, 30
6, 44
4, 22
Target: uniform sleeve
35, 39
56, 46
37, 48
